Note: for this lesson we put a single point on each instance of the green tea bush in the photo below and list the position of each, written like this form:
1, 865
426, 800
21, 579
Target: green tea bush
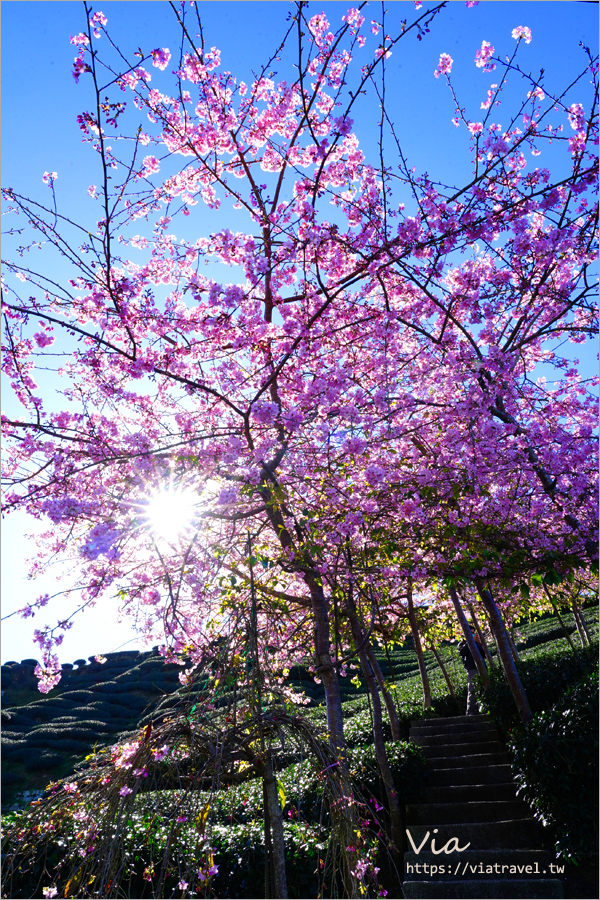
408, 765
72, 746
239, 851
543, 637
545, 677
359, 730
555, 759
42, 761
78, 697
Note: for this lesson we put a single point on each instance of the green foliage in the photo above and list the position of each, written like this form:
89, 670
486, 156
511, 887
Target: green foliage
545, 674
240, 851
409, 769
359, 730
235, 822
555, 759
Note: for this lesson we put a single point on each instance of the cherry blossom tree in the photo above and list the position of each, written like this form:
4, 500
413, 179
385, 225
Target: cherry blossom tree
369, 358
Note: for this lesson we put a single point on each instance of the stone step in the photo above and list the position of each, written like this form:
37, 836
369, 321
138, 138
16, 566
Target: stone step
544, 888
471, 759
481, 736
435, 750
454, 728
526, 834
469, 775
478, 864
472, 793
449, 720
434, 814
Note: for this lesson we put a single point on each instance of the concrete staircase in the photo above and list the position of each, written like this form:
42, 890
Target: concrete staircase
472, 804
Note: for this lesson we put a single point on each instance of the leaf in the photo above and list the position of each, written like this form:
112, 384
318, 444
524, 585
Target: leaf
281, 792
202, 817
73, 883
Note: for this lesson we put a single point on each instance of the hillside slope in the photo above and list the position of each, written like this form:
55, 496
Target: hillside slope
44, 737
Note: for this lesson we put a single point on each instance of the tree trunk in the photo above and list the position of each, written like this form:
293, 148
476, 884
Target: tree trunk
444, 672
481, 669
560, 620
499, 631
388, 699
482, 640
344, 818
582, 628
324, 665
418, 649
326, 671
395, 810
275, 818
512, 645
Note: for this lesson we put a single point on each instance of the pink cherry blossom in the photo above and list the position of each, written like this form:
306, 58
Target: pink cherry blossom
353, 17
522, 32
576, 116
43, 339
161, 57
444, 66
151, 166
483, 57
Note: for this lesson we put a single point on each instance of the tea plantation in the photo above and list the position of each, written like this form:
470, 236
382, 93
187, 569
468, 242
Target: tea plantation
555, 758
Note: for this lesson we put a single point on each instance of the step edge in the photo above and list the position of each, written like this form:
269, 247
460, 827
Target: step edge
467, 803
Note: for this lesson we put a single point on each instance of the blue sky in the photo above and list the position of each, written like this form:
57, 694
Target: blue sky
40, 102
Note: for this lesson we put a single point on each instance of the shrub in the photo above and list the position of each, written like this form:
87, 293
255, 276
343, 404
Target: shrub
11, 741
555, 761
9, 777
545, 677
78, 696
43, 761
359, 730
240, 853
408, 765
72, 746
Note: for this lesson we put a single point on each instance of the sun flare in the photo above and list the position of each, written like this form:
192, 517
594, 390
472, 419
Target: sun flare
171, 512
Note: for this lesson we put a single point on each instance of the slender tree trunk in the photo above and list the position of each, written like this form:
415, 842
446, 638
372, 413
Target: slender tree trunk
512, 645
325, 667
388, 699
344, 819
395, 810
482, 640
499, 631
326, 671
584, 633
275, 818
481, 669
443, 668
560, 620
418, 649
268, 844
275, 876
